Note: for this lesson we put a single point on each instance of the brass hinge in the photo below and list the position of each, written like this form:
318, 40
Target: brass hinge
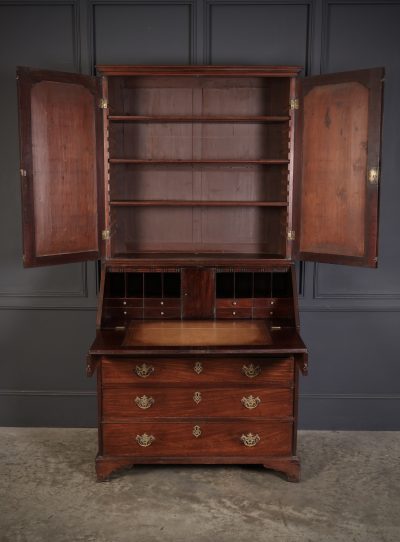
22, 172
291, 235
105, 235
103, 103
373, 175
294, 103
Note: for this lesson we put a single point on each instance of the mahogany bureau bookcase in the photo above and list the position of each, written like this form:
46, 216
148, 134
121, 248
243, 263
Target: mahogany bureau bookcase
199, 187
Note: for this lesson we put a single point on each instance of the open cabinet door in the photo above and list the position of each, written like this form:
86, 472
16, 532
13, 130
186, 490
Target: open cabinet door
60, 132
337, 180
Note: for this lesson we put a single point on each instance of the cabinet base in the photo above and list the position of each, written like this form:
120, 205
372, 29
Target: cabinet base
106, 466
288, 466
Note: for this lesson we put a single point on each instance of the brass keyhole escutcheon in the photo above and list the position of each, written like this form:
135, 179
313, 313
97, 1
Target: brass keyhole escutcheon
196, 431
198, 367
373, 175
197, 397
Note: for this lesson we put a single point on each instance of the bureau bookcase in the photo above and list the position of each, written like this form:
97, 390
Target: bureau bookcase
198, 187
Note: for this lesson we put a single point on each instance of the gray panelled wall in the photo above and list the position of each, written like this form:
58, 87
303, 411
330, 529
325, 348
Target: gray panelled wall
350, 317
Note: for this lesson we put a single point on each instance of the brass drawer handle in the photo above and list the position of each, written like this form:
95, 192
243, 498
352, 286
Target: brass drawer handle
198, 367
197, 397
251, 370
145, 440
144, 370
250, 440
196, 431
250, 402
144, 402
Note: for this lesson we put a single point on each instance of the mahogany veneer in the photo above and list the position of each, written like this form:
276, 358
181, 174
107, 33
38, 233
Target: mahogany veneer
198, 186
272, 371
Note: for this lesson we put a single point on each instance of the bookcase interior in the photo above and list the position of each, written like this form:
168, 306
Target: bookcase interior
198, 165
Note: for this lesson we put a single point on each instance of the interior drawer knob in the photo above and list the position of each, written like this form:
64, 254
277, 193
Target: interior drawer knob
145, 440
144, 370
251, 370
250, 402
250, 440
198, 367
144, 402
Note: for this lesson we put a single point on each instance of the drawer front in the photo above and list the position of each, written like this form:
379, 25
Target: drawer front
123, 313
282, 309
264, 302
252, 371
162, 312
234, 313
240, 438
240, 303
123, 302
162, 302
195, 401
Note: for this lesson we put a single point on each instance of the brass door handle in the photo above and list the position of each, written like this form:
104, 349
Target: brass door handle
250, 402
144, 402
145, 440
251, 370
250, 440
144, 370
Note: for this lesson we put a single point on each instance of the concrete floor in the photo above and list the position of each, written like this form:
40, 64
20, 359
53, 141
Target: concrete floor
350, 492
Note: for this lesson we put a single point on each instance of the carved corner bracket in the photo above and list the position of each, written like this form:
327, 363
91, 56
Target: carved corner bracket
302, 363
91, 364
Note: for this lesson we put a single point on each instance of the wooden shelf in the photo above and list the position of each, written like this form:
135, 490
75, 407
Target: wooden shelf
175, 162
192, 203
210, 119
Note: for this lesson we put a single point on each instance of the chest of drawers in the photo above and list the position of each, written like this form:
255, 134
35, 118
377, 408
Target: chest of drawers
196, 408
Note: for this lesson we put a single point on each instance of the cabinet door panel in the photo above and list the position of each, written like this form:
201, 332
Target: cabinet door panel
60, 130
338, 192
198, 293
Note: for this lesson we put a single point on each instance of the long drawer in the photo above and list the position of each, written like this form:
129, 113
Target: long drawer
239, 438
253, 371
120, 403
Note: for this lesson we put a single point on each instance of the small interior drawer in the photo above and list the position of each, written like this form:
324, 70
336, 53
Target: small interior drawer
162, 312
162, 302
123, 302
122, 313
234, 313
233, 303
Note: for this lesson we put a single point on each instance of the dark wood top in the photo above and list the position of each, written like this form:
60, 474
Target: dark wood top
248, 71
157, 337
